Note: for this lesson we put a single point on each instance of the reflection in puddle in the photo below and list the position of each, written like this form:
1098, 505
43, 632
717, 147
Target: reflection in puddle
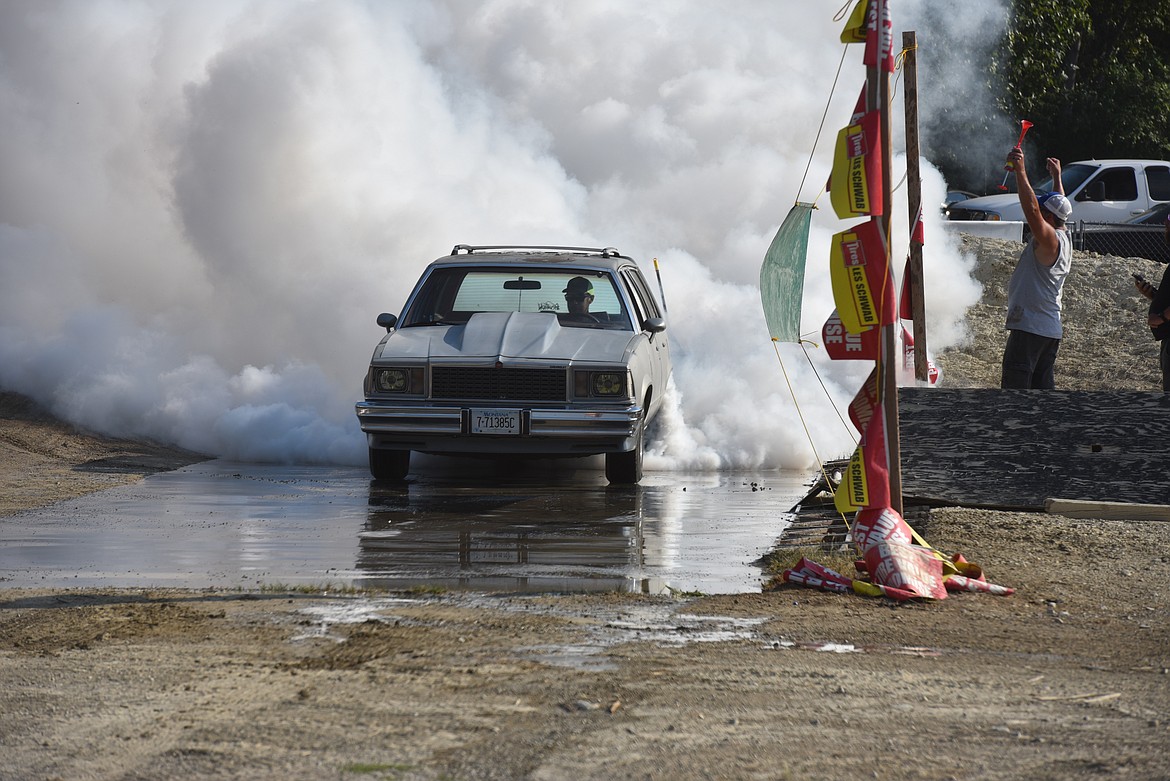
571, 539
490, 527
671, 533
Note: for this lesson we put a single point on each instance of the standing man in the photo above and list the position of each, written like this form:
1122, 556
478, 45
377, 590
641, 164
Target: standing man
1159, 316
1034, 292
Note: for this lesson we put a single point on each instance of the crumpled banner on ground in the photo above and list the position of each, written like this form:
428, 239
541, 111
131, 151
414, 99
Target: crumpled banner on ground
895, 563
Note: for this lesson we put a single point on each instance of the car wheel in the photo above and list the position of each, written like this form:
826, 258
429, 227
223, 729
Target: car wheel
389, 464
626, 468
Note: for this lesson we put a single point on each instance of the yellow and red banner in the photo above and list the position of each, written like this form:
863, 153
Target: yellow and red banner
860, 274
857, 169
858, 113
913, 571
879, 36
855, 27
933, 375
905, 300
918, 232
864, 404
866, 481
844, 346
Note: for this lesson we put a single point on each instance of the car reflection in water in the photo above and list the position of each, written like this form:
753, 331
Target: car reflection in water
513, 535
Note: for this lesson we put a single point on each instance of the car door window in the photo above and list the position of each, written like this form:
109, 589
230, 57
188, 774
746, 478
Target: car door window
1112, 184
644, 294
636, 295
1158, 179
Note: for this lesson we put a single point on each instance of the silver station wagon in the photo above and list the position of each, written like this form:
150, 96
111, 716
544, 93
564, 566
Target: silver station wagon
527, 351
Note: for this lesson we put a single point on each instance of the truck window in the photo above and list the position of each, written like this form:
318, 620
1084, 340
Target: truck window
1112, 184
1158, 179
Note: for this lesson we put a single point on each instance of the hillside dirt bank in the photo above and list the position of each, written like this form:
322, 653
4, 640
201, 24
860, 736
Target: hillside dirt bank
1066, 679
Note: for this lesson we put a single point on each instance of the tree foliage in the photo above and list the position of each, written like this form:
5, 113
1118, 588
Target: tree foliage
1093, 76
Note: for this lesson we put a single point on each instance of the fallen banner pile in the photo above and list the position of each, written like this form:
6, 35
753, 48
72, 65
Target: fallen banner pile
894, 562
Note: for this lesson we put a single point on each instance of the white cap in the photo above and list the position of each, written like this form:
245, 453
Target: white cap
1057, 204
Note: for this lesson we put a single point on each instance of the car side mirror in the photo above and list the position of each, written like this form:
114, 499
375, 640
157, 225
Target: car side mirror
1094, 192
654, 325
387, 321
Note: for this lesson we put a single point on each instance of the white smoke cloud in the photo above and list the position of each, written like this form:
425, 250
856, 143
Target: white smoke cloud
205, 205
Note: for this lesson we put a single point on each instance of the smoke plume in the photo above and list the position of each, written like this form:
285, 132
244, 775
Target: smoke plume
205, 205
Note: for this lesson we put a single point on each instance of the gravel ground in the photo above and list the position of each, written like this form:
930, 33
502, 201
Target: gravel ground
1066, 679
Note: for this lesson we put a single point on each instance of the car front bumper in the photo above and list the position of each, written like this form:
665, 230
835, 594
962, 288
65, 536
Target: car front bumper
446, 429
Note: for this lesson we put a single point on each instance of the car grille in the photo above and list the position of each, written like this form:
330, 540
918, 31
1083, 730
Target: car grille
498, 384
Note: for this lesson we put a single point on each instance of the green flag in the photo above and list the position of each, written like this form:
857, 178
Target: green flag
782, 275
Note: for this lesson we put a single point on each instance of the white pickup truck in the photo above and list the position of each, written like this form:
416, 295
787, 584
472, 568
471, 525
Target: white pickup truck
1100, 191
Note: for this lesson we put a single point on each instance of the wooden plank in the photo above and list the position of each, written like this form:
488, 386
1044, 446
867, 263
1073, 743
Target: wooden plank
1115, 511
1014, 449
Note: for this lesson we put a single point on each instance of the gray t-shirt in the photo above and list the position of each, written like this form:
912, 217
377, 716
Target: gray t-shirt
1035, 289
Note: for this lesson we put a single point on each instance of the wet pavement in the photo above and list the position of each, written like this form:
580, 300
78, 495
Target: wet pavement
525, 527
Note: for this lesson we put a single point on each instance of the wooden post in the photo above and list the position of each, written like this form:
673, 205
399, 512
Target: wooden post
878, 95
914, 203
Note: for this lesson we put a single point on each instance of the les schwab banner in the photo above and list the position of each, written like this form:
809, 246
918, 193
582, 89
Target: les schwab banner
859, 271
856, 178
866, 480
844, 346
865, 403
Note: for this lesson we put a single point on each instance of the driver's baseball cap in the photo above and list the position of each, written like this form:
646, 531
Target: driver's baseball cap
1057, 204
579, 286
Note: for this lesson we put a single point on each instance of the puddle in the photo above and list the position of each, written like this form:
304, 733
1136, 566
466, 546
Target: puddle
656, 624
849, 648
564, 529
322, 618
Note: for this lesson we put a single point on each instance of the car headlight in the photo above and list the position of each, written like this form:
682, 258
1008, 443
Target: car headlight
602, 384
395, 379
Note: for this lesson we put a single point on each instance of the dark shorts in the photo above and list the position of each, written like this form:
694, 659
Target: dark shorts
1028, 361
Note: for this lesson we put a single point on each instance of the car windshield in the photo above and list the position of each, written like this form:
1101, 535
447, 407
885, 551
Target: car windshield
1072, 177
452, 295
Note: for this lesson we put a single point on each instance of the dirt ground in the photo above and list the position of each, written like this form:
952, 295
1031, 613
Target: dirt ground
1066, 679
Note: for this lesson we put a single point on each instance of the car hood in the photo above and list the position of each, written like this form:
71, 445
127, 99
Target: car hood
503, 335
991, 203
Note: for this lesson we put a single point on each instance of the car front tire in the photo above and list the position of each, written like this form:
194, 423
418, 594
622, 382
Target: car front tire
626, 468
389, 464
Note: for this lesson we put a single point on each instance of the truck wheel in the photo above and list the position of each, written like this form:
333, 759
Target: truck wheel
389, 464
626, 468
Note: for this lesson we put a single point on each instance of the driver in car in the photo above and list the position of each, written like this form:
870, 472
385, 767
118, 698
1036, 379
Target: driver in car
578, 297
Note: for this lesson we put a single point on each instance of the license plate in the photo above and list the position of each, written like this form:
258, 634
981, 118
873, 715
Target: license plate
495, 421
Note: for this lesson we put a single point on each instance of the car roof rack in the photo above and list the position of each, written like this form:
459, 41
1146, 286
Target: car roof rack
605, 252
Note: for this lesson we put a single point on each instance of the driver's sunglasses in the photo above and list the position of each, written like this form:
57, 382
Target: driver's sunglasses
577, 298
